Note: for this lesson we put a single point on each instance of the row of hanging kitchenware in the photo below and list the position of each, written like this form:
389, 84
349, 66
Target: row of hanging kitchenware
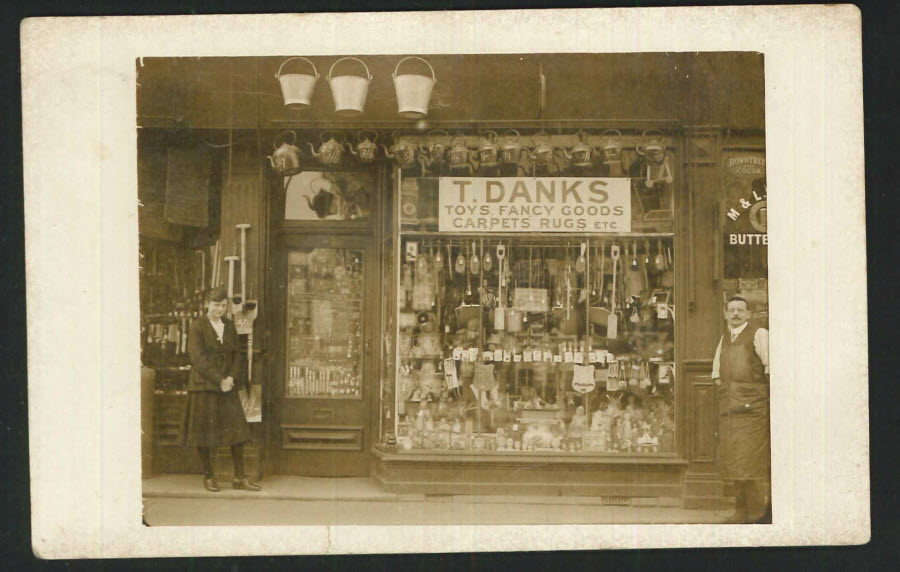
349, 91
440, 150
632, 283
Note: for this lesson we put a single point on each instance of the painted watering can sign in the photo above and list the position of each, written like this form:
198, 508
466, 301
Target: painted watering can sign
528, 204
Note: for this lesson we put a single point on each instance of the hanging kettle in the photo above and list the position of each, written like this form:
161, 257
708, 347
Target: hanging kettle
488, 151
435, 151
331, 152
366, 149
286, 159
542, 154
459, 156
402, 153
582, 153
654, 148
511, 151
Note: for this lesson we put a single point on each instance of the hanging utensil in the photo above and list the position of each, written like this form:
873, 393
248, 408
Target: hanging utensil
646, 252
568, 276
499, 312
474, 262
460, 261
468, 280
488, 262
634, 260
602, 271
449, 260
659, 261
421, 264
437, 258
579, 264
612, 322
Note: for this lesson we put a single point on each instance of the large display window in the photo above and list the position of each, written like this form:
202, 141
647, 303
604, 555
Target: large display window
522, 343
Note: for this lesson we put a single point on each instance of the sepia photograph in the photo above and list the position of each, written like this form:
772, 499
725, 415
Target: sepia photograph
532, 287
380, 293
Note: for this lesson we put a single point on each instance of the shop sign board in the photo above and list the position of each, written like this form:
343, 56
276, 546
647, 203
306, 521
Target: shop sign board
530, 204
745, 165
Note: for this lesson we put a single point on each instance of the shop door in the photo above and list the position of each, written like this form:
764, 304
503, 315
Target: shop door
323, 404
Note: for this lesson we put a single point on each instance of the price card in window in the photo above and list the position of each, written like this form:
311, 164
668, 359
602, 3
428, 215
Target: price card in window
526, 357
661, 312
488, 356
536, 355
592, 357
518, 357
507, 355
583, 378
498, 355
458, 354
568, 357
473, 354
450, 373
412, 251
663, 373
579, 357
557, 358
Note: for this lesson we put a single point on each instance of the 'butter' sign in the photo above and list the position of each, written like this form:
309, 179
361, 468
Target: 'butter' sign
524, 204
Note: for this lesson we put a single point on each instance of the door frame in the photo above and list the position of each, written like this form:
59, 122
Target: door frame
284, 235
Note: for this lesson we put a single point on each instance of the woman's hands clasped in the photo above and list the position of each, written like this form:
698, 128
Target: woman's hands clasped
226, 384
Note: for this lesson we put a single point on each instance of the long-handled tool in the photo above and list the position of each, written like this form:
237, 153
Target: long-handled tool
243, 230
612, 322
230, 287
499, 317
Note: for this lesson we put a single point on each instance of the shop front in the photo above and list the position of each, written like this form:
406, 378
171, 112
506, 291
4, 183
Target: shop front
496, 293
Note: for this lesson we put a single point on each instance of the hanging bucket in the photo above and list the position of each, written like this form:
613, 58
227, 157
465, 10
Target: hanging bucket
297, 88
413, 91
349, 91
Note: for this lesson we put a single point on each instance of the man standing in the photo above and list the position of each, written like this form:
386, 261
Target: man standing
741, 368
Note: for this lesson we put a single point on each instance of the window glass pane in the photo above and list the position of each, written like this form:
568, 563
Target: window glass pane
324, 323
551, 345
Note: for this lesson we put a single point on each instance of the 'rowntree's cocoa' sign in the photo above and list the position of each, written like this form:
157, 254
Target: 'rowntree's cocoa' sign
745, 165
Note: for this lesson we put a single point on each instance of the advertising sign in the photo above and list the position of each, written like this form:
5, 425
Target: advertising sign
528, 204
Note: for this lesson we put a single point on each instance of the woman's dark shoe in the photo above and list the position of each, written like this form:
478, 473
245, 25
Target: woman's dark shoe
245, 484
211, 484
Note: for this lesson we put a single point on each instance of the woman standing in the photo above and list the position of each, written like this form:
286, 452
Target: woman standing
215, 417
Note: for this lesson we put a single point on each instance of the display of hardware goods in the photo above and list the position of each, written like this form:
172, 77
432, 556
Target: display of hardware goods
517, 355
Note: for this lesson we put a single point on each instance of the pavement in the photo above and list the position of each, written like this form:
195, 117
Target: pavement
177, 500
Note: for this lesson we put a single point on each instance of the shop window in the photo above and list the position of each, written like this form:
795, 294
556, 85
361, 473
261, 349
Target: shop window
530, 343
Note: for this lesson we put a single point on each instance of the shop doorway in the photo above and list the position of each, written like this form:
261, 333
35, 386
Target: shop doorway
323, 391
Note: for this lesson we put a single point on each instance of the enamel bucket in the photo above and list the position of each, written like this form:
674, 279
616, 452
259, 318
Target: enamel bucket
297, 88
413, 90
349, 91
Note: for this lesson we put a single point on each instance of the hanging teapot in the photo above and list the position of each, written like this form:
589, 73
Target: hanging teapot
331, 152
488, 151
511, 151
366, 149
542, 155
656, 167
612, 152
286, 159
459, 155
582, 153
435, 151
654, 148
402, 153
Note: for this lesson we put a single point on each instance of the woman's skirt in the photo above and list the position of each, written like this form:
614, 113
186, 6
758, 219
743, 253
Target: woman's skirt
215, 419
